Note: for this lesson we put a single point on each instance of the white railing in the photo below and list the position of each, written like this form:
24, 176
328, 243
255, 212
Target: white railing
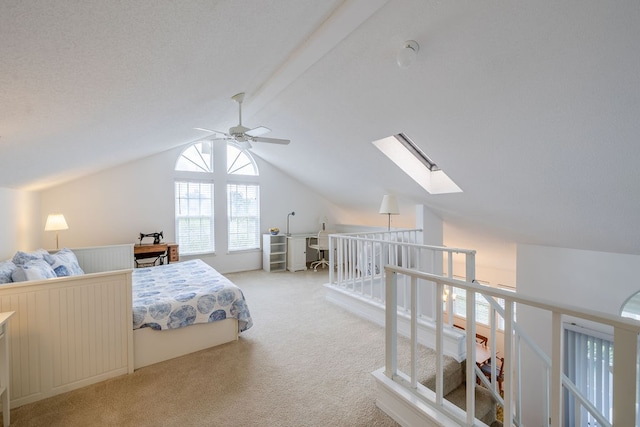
358, 261
358, 266
625, 350
521, 337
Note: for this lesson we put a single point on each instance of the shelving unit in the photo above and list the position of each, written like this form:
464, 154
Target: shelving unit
274, 252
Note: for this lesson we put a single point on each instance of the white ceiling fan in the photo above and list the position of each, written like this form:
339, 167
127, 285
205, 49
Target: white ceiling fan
243, 135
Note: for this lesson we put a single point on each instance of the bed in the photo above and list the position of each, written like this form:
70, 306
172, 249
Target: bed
69, 332
170, 297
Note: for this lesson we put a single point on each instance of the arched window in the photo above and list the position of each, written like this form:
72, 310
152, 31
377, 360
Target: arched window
198, 207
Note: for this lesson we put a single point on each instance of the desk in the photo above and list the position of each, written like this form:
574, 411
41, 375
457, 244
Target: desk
482, 354
158, 252
297, 253
4, 365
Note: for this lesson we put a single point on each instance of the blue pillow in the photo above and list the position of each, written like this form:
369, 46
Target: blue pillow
6, 269
21, 258
36, 269
64, 263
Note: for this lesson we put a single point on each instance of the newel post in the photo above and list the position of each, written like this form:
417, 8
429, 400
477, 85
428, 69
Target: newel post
625, 354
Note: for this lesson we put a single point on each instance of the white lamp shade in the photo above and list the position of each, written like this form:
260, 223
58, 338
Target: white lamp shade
56, 222
389, 205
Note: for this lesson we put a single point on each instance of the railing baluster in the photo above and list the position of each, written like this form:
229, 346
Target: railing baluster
439, 348
508, 361
516, 369
414, 333
391, 325
471, 356
556, 370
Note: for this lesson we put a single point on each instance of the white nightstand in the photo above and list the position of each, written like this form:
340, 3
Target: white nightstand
4, 364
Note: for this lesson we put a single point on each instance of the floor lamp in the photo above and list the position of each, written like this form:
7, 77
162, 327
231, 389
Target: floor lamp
389, 207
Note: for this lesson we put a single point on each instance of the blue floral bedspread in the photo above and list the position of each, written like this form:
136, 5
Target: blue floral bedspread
176, 295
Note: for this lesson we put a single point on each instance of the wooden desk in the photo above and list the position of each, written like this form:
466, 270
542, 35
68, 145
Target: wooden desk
4, 365
158, 251
483, 354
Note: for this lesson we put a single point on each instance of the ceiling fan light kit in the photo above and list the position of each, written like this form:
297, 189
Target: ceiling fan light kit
243, 135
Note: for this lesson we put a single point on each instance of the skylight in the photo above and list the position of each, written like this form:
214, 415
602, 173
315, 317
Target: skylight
415, 163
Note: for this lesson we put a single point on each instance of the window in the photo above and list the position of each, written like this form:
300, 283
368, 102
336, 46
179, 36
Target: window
460, 306
588, 362
198, 167
243, 216
402, 151
483, 308
194, 217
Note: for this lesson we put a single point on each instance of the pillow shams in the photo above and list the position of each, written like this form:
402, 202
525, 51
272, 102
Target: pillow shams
36, 269
6, 269
21, 258
64, 263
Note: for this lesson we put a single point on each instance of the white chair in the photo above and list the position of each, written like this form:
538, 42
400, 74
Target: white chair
322, 246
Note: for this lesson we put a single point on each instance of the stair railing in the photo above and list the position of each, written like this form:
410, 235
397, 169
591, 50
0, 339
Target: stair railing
546, 361
625, 348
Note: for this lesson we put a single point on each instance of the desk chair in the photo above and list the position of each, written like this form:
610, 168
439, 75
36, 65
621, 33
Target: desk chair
487, 369
322, 246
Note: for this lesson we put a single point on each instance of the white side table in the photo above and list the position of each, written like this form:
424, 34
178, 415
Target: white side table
4, 364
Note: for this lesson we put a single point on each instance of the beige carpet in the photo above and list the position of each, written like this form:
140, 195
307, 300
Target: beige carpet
305, 362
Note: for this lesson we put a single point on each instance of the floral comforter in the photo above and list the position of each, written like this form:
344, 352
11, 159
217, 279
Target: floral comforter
181, 294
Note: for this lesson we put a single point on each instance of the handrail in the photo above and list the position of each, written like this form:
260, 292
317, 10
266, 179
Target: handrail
566, 381
353, 236
369, 254
621, 374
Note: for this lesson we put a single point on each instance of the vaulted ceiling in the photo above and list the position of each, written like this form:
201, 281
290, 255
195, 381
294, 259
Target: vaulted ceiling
530, 107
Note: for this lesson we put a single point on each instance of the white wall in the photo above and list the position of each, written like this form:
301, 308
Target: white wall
592, 280
19, 221
115, 205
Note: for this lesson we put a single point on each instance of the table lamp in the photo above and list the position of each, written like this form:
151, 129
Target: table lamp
56, 222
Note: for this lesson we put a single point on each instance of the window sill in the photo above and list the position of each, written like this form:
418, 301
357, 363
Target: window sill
244, 251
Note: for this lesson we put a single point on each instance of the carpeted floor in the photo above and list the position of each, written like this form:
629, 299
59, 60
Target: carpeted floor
305, 362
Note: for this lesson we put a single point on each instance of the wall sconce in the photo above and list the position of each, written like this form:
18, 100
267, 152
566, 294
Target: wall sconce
289, 215
56, 222
389, 207
407, 54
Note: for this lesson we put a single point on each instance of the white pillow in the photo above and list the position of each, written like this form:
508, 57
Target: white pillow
64, 263
6, 269
36, 269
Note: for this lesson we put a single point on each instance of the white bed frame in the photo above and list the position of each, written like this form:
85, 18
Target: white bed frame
70, 332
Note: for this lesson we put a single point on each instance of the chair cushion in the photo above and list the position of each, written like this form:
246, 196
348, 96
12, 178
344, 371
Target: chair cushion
486, 369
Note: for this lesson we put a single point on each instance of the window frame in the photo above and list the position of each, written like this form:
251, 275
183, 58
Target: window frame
219, 177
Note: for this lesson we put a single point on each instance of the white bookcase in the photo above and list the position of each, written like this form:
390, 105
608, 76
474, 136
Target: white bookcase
274, 252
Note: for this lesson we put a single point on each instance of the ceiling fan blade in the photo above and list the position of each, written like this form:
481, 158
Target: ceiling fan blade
217, 132
260, 130
271, 140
